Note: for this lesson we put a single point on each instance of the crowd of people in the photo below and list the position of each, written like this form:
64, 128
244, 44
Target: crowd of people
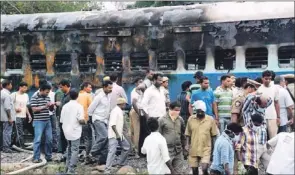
239, 125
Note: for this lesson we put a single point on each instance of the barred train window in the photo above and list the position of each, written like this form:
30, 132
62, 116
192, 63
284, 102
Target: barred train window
63, 63
195, 59
38, 63
256, 58
139, 60
225, 59
286, 56
14, 61
167, 61
87, 63
113, 61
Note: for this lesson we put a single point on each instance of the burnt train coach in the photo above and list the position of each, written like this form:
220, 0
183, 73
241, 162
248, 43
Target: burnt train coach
243, 38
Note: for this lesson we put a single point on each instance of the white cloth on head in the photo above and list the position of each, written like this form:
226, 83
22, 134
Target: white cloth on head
199, 105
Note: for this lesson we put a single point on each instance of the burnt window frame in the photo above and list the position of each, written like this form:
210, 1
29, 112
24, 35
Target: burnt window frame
219, 49
255, 58
139, 55
191, 51
168, 56
106, 61
93, 65
15, 59
32, 65
63, 67
292, 56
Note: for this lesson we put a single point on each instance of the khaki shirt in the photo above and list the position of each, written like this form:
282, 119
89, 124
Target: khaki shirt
201, 133
237, 106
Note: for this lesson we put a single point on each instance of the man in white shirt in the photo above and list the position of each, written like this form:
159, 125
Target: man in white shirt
136, 97
72, 117
282, 158
156, 150
20, 100
99, 109
117, 91
153, 101
116, 137
272, 113
106, 78
286, 104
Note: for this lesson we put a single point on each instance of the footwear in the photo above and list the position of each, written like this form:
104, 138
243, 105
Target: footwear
49, 160
54, 150
37, 161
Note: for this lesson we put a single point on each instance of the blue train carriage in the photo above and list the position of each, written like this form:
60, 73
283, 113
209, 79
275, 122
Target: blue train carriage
243, 38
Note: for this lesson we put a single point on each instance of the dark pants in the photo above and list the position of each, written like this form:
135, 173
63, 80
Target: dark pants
87, 137
283, 128
144, 132
250, 170
63, 140
215, 172
19, 123
6, 135
53, 120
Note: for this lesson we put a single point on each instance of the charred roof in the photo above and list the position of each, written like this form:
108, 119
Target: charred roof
157, 16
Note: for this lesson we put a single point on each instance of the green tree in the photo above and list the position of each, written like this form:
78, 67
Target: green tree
29, 7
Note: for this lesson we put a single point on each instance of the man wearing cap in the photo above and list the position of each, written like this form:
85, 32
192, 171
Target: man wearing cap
196, 86
238, 103
201, 132
165, 90
116, 137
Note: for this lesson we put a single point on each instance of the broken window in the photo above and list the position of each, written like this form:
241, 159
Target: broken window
113, 61
139, 60
38, 62
286, 55
87, 63
63, 63
167, 61
225, 59
256, 58
14, 61
195, 59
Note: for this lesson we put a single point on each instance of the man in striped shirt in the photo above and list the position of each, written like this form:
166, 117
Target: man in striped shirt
41, 105
223, 97
248, 143
256, 104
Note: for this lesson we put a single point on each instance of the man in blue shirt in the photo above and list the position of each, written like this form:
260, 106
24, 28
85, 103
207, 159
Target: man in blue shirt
206, 95
223, 154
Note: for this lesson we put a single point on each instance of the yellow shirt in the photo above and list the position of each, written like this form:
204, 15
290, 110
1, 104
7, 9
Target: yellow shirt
201, 133
85, 100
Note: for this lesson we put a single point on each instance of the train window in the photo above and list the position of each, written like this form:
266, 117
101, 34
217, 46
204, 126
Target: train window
256, 58
87, 63
38, 62
113, 61
63, 63
225, 59
195, 59
139, 60
14, 61
286, 56
167, 61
